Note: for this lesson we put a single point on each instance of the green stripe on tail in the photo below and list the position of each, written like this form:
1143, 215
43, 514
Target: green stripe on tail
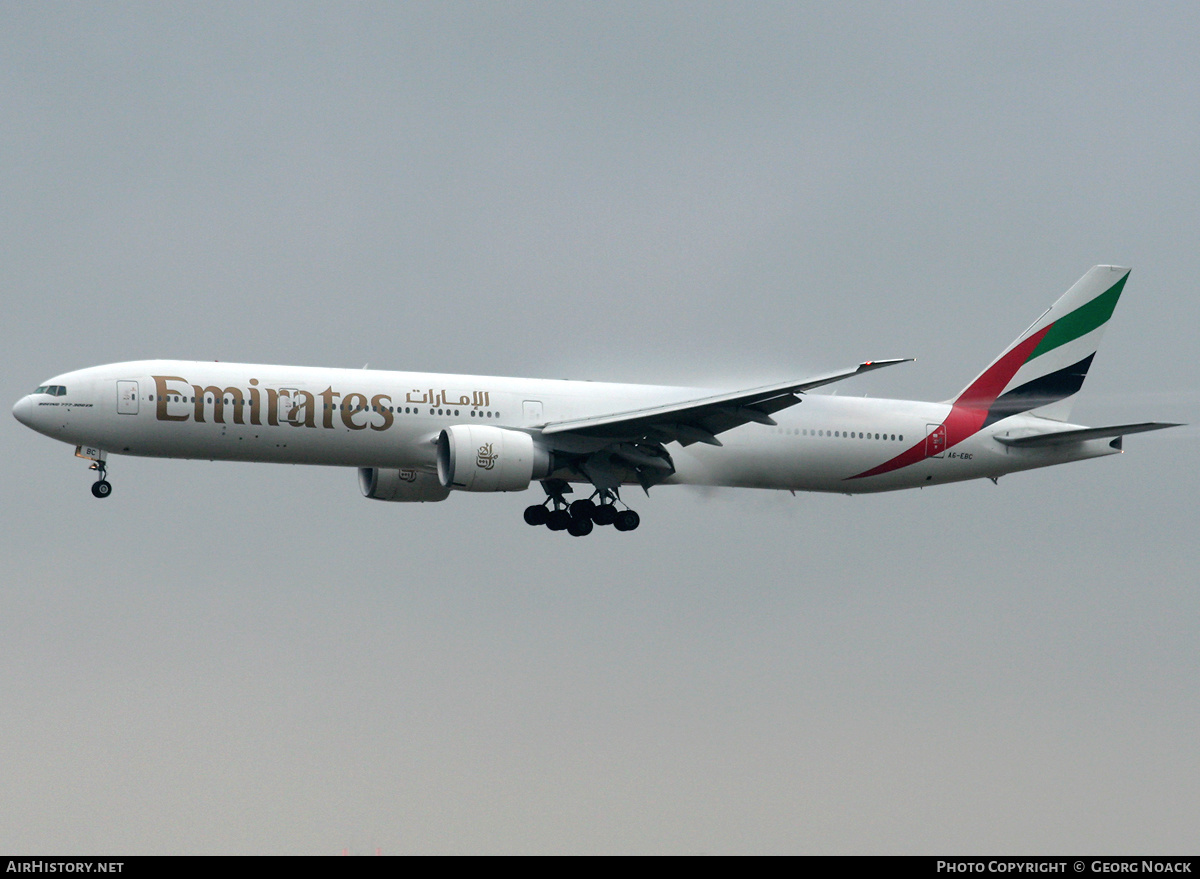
1082, 320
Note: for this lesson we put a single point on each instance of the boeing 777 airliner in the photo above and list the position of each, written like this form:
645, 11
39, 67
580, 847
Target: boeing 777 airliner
419, 436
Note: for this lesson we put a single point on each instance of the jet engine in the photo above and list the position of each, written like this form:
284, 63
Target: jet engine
400, 485
484, 458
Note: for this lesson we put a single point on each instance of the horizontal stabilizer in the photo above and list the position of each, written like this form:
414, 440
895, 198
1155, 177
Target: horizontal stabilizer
1065, 437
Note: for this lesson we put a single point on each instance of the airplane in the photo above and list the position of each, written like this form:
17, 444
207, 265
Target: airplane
416, 437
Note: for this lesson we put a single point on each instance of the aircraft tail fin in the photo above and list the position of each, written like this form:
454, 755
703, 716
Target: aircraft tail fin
1045, 367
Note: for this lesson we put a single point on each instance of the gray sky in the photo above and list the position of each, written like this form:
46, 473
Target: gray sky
230, 658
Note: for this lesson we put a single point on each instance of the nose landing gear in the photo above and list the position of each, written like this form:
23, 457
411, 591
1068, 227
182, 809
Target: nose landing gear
101, 488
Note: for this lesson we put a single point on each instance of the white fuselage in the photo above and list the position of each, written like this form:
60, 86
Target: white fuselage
372, 418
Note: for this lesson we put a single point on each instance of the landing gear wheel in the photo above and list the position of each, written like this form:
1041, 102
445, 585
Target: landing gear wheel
536, 515
605, 514
102, 488
559, 520
579, 527
582, 509
627, 520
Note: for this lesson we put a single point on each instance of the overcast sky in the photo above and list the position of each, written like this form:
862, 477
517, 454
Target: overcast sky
236, 658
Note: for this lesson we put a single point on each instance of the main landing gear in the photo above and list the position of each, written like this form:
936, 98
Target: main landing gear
101, 488
579, 517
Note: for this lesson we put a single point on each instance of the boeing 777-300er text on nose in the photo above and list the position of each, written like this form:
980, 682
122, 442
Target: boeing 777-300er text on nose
419, 436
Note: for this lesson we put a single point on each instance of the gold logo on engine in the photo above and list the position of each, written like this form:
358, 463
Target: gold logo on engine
485, 459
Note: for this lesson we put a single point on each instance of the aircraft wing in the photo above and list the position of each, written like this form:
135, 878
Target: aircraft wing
702, 419
1063, 437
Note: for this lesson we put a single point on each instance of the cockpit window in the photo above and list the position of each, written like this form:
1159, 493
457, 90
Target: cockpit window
60, 391
52, 390
44, 389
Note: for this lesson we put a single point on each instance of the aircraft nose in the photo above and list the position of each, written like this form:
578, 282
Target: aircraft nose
23, 411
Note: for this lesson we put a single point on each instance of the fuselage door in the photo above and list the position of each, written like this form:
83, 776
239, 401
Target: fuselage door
532, 411
935, 440
289, 405
127, 398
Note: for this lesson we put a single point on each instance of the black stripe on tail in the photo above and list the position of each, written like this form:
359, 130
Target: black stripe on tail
1042, 391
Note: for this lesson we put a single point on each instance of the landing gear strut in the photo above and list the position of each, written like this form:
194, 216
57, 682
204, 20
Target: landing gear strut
101, 488
579, 517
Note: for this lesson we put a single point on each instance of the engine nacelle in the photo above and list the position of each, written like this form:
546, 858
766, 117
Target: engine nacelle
484, 458
400, 485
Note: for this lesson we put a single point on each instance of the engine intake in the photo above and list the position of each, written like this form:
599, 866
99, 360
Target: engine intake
483, 458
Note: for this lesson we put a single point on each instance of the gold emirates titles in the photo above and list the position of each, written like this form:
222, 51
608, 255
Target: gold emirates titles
300, 406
